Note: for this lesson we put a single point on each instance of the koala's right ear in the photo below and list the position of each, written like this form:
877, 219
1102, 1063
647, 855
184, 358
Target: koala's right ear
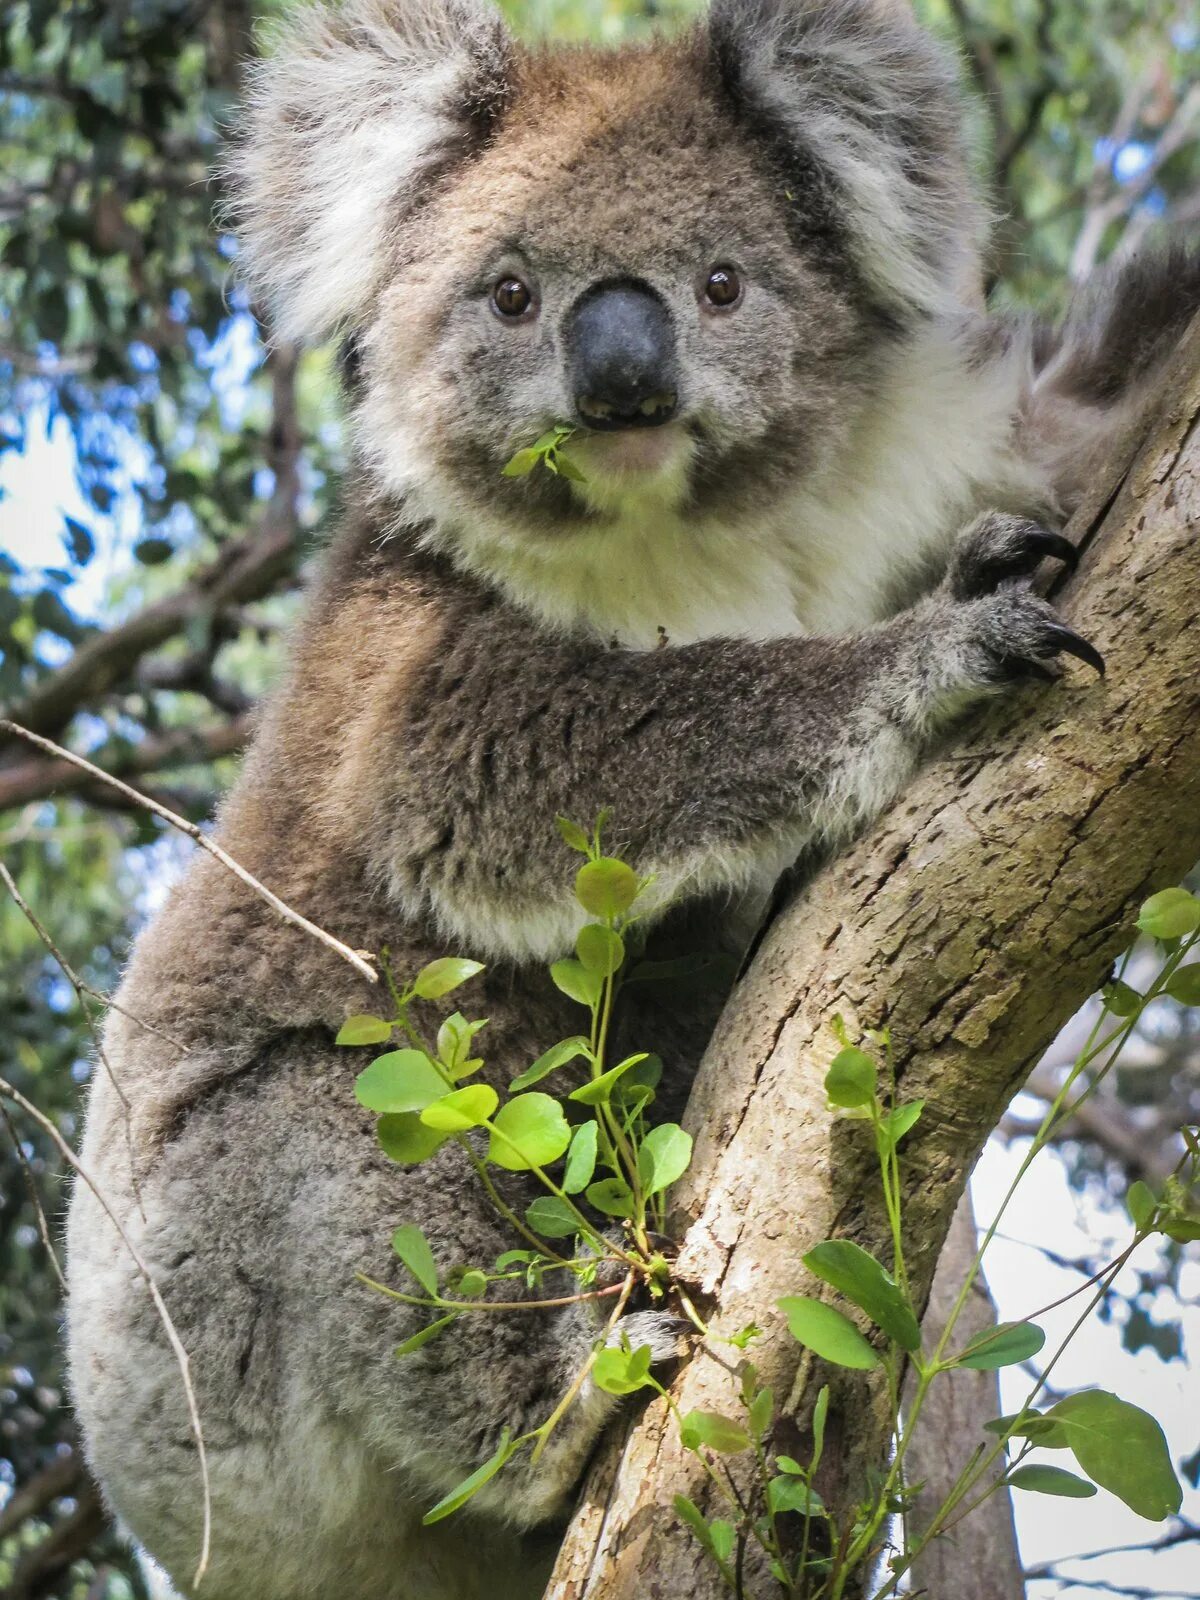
354, 113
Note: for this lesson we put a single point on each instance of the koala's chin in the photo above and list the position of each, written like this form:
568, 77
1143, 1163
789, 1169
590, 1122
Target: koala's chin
635, 470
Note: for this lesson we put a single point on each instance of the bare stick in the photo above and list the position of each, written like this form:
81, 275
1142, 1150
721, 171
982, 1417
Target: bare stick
35, 1199
164, 1316
360, 960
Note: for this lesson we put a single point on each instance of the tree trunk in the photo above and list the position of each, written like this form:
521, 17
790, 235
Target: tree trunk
973, 921
981, 1558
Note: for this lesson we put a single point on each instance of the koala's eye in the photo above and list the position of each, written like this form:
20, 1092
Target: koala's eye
511, 297
723, 289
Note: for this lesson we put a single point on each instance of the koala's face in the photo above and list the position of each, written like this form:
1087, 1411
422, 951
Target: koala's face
624, 260
692, 254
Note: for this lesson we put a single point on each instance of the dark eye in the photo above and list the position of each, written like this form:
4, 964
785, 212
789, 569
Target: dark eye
511, 297
723, 289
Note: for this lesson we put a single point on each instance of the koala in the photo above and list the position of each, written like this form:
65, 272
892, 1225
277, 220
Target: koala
743, 264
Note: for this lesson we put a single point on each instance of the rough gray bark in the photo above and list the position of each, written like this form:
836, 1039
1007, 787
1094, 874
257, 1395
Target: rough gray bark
973, 921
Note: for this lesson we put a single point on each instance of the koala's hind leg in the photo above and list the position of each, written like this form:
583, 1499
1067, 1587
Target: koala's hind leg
324, 1449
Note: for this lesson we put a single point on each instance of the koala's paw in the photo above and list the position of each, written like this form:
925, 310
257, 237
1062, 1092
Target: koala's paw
1011, 636
997, 549
665, 1334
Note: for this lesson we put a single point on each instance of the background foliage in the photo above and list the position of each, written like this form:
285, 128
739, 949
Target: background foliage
163, 474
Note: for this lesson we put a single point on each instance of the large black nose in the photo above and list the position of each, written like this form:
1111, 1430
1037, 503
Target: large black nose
621, 349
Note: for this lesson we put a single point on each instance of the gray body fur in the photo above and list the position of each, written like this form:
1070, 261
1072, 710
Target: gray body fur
744, 652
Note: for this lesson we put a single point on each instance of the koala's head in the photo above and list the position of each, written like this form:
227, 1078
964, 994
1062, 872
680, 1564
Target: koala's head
692, 253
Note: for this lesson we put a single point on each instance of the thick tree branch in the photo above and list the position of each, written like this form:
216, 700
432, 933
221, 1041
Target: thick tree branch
975, 919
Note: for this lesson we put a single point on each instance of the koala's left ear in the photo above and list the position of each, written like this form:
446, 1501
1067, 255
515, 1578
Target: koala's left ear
869, 107
351, 117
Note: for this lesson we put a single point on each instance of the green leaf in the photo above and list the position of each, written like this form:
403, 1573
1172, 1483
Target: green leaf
401, 1080
899, 1121
573, 835
709, 1428
723, 1536
606, 887
550, 1060
426, 1334
1170, 914
1002, 1346
461, 1109
581, 1158
599, 949
551, 1218
472, 1485
820, 1412
849, 1268
454, 1040
1141, 1203
688, 1511
364, 1029
521, 464
663, 1157
598, 1091
576, 982
411, 1245
612, 1196
851, 1079
827, 1331
535, 1125
1123, 1449
443, 976
471, 1284
793, 1494
1051, 1480
1120, 999
568, 469
618, 1371
407, 1140
1031, 1425
1184, 984
760, 1412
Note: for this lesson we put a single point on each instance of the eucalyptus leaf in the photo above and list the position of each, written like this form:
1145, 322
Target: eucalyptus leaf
1003, 1346
606, 887
364, 1029
407, 1140
461, 1109
849, 1268
550, 1060
471, 1485
443, 976
828, 1332
411, 1245
1051, 1480
529, 1130
663, 1157
851, 1079
401, 1080
1123, 1449
581, 1158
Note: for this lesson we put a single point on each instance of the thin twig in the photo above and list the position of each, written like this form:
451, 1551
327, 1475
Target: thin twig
34, 1197
361, 961
164, 1316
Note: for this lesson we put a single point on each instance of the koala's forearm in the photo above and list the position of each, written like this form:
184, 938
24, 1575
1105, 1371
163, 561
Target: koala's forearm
719, 760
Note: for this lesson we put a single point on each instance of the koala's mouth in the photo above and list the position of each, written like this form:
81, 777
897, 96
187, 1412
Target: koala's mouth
608, 417
623, 451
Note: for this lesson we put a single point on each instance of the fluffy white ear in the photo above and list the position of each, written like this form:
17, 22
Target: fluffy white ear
356, 110
859, 93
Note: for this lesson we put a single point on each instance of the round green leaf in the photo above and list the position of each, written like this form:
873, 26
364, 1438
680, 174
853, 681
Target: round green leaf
1141, 1204
1170, 914
612, 1196
551, 1218
827, 1331
793, 1494
1051, 1480
401, 1080
851, 1079
619, 1371
606, 887
407, 1140
599, 949
849, 1268
461, 1109
528, 1131
576, 982
1003, 1346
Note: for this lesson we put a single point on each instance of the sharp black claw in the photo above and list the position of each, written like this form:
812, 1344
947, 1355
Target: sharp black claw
1064, 639
1047, 543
